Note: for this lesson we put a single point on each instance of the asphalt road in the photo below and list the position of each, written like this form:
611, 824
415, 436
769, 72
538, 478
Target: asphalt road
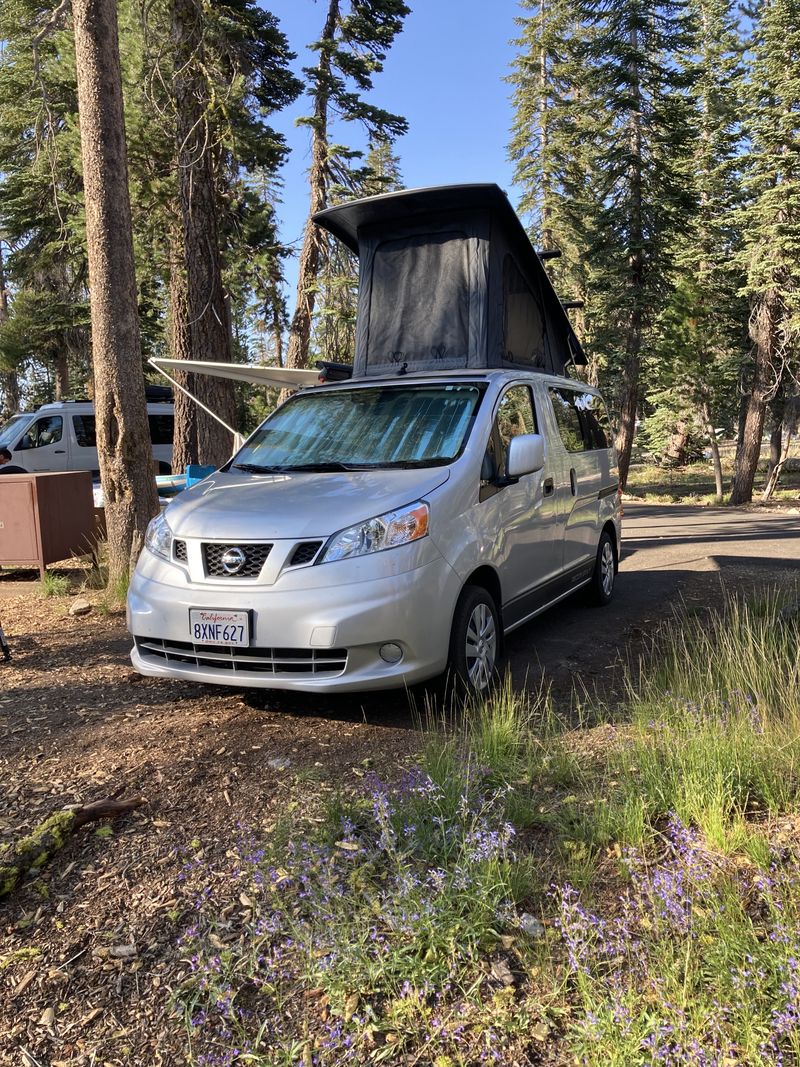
671, 555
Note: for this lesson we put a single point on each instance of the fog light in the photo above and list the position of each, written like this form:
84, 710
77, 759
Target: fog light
390, 653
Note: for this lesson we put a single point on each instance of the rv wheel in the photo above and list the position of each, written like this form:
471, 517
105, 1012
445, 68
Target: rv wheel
602, 584
475, 639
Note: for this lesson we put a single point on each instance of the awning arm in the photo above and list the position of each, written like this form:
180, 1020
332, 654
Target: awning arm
238, 439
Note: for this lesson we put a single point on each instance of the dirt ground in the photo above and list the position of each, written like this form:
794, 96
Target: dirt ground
88, 954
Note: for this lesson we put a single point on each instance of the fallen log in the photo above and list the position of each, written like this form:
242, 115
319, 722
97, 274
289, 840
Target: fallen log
31, 853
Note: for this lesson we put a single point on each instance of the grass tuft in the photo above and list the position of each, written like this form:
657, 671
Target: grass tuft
53, 585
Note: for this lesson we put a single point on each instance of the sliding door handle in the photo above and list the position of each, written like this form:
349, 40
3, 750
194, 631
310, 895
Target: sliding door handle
548, 487
573, 481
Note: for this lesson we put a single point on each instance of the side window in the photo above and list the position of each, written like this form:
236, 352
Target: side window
161, 427
45, 431
514, 416
569, 423
596, 423
85, 431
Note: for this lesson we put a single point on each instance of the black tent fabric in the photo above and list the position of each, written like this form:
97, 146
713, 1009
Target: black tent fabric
448, 279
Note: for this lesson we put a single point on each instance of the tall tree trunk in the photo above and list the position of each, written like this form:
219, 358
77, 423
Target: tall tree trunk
629, 399
9, 382
62, 375
208, 316
184, 445
716, 459
776, 437
300, 330
123, 437
763, 327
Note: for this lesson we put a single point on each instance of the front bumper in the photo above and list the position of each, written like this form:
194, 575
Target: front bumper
317, 632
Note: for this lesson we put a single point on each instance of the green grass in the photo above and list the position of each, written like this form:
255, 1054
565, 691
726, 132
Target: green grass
694, 483
389, 928
53, 585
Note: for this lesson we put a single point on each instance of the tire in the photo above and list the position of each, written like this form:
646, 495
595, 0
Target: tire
601, 587
475, 640
164, 468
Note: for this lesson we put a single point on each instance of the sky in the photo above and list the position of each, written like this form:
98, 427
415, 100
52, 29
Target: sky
444, 74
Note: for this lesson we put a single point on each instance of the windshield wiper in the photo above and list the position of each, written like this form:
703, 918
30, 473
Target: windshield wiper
332, 465
255, 468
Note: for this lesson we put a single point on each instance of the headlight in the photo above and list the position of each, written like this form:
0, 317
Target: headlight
385, 531
158, 537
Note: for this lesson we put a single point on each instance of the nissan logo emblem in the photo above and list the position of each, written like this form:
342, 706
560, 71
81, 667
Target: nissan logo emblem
232, 560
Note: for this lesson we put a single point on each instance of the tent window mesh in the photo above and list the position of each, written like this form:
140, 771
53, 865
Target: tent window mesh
419, 307
523, 322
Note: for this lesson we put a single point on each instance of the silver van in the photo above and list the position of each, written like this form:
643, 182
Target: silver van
375, 533
61, 437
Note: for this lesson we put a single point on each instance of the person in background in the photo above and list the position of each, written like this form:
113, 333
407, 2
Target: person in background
6, 466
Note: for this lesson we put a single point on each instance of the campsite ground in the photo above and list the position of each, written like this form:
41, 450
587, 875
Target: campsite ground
76, 724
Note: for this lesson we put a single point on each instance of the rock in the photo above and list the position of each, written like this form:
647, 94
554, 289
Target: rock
48, 1018
530, 925
122, 952
502, 972
790, 612
80, 607
279, 763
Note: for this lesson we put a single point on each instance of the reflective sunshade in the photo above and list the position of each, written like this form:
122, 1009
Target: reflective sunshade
421, 425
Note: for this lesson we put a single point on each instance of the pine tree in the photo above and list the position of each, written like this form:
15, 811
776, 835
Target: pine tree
772, 233
637, 93
333, 336
697, 351
123, 437
554, 144
353, 44
41, 218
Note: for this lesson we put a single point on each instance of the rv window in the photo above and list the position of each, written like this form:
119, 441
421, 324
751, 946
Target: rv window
161, 428
85, 432
569, 424
419, 306
390, 426
515, 416
594, 417
46, 431
8, 434
522, 318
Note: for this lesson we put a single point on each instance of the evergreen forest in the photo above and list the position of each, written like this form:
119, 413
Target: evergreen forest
656, 147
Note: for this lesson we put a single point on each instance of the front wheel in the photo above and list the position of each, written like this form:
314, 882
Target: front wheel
602, 583
475, 640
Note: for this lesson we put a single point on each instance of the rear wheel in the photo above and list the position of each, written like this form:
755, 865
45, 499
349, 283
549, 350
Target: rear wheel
605, 568
475, 639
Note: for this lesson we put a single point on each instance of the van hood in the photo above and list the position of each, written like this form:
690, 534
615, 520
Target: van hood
238, 506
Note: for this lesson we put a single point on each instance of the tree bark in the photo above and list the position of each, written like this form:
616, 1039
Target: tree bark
716, 460
184, 444
9, 382
629, 399
199, 438
762, 330
300, 329
123, 437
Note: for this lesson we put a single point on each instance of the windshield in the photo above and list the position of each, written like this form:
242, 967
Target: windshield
383, 426
11, 430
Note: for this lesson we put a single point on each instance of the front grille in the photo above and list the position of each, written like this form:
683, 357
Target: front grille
304, 553
179, 548
244, 660
254, 558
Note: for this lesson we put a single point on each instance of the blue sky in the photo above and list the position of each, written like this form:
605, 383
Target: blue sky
444, 74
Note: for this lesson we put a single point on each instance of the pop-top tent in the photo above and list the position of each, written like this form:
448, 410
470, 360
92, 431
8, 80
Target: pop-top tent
449, 279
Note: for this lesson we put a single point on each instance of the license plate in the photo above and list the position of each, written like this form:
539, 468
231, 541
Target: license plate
207, 627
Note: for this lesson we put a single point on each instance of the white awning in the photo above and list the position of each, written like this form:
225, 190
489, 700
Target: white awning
275, 377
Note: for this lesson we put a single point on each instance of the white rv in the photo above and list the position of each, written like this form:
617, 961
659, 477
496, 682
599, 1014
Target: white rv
61, 437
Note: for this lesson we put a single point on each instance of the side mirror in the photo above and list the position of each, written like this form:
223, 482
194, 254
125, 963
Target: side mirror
525, 455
